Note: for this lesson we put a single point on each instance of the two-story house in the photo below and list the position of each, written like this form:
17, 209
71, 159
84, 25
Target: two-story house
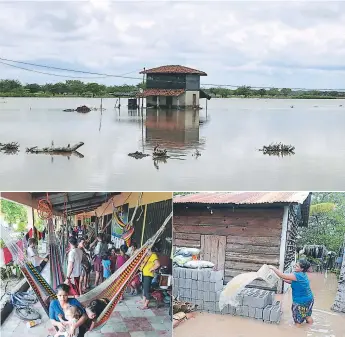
173, 86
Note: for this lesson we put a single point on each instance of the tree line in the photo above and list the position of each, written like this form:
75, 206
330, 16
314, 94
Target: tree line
14, 88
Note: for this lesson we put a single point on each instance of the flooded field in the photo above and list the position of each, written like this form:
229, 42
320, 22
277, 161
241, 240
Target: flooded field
326, 322
228, 137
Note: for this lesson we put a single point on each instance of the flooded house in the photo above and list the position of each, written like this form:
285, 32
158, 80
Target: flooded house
241, 231
173, 86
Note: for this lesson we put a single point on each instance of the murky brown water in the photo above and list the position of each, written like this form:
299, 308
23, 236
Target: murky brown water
326, 322
227, 136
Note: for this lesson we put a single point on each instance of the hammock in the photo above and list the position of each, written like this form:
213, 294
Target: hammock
112, 288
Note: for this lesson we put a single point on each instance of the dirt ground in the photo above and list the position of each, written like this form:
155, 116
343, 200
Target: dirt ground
326, 322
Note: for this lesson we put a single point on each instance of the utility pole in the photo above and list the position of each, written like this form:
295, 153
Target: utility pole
142, 98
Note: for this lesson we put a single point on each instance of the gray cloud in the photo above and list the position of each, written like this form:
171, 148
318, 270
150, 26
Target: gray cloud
256, 43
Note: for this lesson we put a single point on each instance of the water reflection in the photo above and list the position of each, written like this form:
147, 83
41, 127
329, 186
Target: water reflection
172, 129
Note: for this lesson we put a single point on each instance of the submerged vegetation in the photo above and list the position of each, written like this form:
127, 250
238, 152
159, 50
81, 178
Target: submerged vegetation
76, 88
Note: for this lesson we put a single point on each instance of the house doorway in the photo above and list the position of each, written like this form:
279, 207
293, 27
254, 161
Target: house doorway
194, 100
213, 249
169, 101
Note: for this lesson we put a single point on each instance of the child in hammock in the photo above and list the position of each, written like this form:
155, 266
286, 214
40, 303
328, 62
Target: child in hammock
94, 309
72, 315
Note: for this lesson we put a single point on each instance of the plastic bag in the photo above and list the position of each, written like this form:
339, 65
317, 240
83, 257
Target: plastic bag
199, 264
181, 260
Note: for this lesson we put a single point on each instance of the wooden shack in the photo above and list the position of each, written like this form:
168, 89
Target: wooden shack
241, 231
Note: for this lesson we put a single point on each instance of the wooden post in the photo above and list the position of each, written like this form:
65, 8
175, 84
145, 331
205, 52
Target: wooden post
101, 105
280, 287
119, 102
143, 229
158, 102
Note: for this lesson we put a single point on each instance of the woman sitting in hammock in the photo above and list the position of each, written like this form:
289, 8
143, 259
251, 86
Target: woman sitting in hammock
59, 306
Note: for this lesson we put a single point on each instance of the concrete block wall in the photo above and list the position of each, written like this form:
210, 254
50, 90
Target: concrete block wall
203, 287
199, 286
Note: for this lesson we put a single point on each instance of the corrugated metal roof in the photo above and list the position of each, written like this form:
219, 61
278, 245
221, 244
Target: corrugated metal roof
243, 198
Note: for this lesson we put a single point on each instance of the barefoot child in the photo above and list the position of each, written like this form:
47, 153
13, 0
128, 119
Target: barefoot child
302, 296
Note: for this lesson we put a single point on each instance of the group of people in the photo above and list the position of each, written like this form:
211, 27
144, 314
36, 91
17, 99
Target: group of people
105, 260
67, 314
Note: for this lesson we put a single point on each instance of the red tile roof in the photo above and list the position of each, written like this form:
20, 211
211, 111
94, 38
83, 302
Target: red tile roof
243, 198
173, 69
161, 92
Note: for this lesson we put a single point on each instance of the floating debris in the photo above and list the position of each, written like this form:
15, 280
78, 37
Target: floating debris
9, 148
69, 110
291, 106
278, 149
83, 109
138, 155
159, 153
68, 150
197, 153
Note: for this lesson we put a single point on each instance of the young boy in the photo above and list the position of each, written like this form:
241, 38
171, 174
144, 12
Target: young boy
33, 256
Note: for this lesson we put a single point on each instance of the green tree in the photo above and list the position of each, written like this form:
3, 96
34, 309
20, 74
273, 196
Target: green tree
273, 92
9, 85
326, 221
262, 92
33, 87
243, 91
13, 212
286, 91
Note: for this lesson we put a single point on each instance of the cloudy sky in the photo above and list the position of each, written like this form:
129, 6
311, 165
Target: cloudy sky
281, 44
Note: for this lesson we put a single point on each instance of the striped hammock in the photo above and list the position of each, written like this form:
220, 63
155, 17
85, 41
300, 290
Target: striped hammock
113, 288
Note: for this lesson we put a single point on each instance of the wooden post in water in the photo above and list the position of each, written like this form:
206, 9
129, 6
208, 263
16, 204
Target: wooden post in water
101, 105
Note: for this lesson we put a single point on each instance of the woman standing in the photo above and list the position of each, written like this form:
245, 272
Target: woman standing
100, 250
148, 271
85, 267
57, 308
302, 296
75, 257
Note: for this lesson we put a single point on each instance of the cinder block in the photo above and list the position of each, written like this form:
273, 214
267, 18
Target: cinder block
188, 283
251, 312
258, 313
276, 313
239, 311
175, 282
216, 286
194, 274
194, 294
245, 311
210, 306
212, 296
187, 292
175, 272
200, 304
267, 313
182, 273
194, 284
206, 296
200, 285
232, 310
206, 286
218, 295
270, 298
200, 295
188, 273
217, 276
239, 299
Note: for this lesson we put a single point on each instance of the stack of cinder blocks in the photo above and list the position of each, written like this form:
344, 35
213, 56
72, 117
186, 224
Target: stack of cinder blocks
256, 303
199, 286
203, 287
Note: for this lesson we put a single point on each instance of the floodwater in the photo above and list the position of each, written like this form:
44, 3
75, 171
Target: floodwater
227, 135
326, 322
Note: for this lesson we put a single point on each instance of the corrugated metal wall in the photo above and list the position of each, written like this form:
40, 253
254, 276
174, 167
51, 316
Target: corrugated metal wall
155, 215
